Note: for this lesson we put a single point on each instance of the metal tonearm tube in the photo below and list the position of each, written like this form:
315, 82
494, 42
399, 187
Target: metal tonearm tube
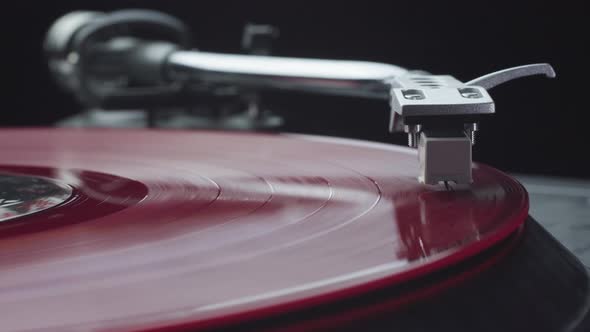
337, 77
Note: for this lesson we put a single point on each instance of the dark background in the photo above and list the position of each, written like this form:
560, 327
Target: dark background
540, 124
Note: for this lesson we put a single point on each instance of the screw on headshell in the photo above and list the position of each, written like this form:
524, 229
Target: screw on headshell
413, 134
470, 130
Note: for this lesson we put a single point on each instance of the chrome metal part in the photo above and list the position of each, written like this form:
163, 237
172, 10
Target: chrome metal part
414, 96
442, 104
338, 77
413, 134
496, 78
470, 130
438, 112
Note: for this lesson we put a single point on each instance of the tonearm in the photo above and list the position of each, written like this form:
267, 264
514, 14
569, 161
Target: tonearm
144, 56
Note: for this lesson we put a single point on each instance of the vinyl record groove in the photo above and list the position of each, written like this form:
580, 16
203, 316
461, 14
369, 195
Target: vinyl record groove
169, 229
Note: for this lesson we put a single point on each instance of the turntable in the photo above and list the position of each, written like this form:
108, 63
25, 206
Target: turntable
106, 229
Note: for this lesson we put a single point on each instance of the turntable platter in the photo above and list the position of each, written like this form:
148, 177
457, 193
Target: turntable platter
168, 228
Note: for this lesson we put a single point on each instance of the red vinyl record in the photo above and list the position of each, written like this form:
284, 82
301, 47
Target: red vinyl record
163, 230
